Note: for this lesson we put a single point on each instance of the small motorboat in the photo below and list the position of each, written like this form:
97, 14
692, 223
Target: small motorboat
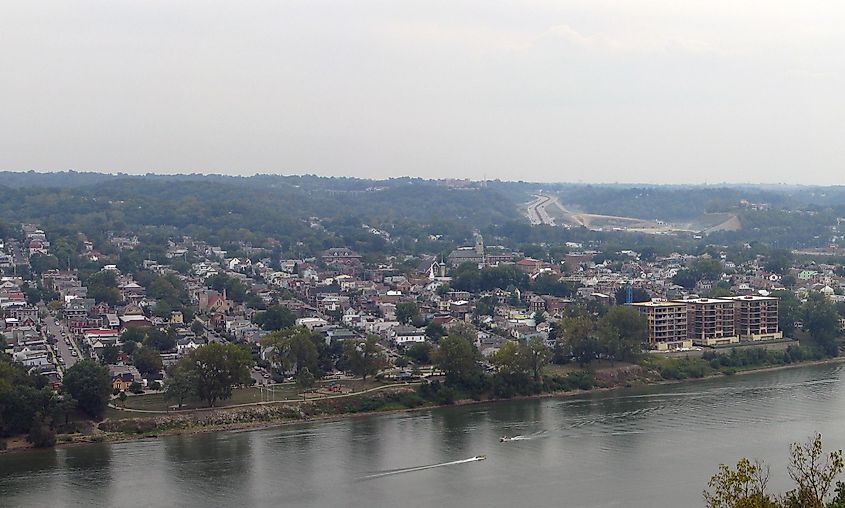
504, 439
480, 457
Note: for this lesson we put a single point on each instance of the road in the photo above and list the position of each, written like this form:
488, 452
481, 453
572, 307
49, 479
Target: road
59, 331
537, 211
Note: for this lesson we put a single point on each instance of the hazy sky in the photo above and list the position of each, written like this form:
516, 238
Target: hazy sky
663, 91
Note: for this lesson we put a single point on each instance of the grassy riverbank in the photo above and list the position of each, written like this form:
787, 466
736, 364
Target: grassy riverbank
388, 399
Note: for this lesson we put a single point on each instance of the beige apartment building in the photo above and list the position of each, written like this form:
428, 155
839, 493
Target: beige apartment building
667, 324
756, 317
674, 324
711, 321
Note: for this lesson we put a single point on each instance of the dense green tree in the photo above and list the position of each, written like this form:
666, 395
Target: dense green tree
779, 261
485, 306
465, 330
550, 284
457, 357
180, 384
305, 379
109, 354
162, 309
293, 349
147, 361
470, 278
511, 360
129, 347
407, 312
821, 321
538, 356
686, 278
40, 263
364, 357
32, 293
789, 311
789, 281
89, 384
21, 397
708, 268
235, 289
623, 330
168, 288
102, 286
197, 327
216, 369
41, 434
577, 337
133, 334
65, 406
420, 353
162, 340
274, 318
434, 331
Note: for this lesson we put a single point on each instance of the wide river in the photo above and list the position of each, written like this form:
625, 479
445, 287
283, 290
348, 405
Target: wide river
645, 447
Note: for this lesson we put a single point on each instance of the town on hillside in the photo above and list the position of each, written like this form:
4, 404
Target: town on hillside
309, 327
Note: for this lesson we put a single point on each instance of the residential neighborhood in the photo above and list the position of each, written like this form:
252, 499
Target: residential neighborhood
51, 319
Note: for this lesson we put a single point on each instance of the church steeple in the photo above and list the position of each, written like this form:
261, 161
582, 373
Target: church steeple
479, 244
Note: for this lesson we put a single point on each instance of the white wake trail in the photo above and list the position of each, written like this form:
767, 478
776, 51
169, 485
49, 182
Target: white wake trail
421, 468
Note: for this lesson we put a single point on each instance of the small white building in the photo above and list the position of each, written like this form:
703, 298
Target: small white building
404, 335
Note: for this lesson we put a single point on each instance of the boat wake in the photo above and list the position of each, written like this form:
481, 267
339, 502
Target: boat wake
526, 437
423, 468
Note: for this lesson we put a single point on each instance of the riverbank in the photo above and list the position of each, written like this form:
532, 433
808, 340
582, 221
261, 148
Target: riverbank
236, 419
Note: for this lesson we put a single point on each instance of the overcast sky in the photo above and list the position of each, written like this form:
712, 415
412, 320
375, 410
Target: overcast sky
652, 91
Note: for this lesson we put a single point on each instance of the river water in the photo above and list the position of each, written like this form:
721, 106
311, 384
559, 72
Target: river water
645, 447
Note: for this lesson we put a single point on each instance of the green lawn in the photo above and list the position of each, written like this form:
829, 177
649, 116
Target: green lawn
287, 391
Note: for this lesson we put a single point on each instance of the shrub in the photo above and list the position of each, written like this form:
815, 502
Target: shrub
40, 434
672, 372
437, 392
580, 380
411, 399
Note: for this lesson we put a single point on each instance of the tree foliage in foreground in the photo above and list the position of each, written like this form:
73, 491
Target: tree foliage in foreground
812, 471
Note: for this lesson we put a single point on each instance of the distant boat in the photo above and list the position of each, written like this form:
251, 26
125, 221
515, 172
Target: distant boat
505, 439
480, 457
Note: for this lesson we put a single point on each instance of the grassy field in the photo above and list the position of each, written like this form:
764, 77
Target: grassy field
247, 395
598, 365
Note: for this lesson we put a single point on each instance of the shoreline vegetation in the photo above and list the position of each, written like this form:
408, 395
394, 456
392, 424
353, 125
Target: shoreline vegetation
389, 399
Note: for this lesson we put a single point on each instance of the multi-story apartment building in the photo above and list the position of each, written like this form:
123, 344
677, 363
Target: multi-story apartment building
667, 324
711, 321
756, 317
674, 324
